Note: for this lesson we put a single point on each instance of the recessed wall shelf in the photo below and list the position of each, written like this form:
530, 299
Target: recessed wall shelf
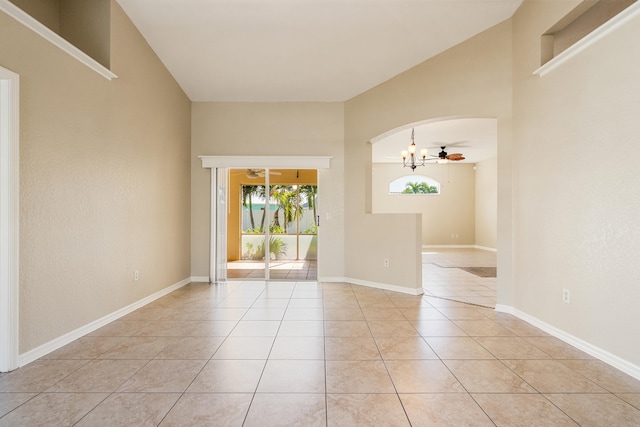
591, 38
42, 30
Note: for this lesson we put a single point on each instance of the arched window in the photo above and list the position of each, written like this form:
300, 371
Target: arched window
414, 185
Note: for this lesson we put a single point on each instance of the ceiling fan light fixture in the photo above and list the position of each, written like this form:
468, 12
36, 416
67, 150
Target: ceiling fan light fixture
411, 160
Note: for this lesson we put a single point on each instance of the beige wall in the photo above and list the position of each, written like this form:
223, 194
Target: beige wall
45, 11
577, 186
104, 180
271, 129
86, 25
472, 79
452, 212
486, 189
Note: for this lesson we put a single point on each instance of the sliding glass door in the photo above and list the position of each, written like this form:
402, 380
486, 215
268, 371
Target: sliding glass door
276, 223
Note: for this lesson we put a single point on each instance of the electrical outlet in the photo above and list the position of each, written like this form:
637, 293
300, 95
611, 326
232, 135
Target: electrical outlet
386, 263
136, 275
566, 296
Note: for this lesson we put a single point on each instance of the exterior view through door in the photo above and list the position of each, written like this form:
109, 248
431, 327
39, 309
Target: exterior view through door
274, 212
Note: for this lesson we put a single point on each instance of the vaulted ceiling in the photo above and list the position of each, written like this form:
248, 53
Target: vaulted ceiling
302, 50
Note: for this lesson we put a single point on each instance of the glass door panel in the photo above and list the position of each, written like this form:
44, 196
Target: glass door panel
294, 225
275, 221
247, 221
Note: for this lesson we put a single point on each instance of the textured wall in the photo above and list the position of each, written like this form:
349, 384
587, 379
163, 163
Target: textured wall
487, 203
104, 180
45, 11
86, 25
452, 212
577, 186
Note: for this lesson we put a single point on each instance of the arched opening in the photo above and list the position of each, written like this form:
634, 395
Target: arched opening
459, 226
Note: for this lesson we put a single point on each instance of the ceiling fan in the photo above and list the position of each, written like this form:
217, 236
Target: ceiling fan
443, 156
259, 173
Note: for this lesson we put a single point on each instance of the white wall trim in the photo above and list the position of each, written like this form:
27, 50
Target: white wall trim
65, 339
484, 248
33, 24
590, 39
261, 162
9, 217
603, 355
377, 285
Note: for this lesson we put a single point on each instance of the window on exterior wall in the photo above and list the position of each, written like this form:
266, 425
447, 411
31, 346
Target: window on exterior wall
414, 185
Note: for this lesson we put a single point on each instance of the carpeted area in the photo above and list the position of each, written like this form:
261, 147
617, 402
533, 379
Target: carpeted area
481, 271
466, 275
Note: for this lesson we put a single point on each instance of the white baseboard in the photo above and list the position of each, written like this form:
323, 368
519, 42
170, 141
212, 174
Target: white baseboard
332, 279
603, 355
65, 339
200, 279
448, 246
377, 285
484, 248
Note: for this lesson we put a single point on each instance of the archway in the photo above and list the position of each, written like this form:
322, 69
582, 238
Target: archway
462, 216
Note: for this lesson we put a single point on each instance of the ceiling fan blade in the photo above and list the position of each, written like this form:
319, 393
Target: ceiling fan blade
455, 157
254, 173
458, 144
439, 145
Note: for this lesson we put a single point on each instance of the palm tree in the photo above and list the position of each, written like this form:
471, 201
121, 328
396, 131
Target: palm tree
292, 209
286, 199
279, 195
419, 188
311, 194
248, 192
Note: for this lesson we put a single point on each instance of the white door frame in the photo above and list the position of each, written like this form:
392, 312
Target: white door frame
9, 200
251, 162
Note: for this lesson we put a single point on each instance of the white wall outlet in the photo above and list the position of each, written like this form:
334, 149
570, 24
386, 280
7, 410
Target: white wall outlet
566, 296
136, 275
386, 263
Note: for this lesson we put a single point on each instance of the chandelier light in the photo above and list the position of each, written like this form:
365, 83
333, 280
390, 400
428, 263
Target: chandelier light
413, 161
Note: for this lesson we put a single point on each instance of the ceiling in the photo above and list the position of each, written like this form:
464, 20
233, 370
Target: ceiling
476, 139
302, 50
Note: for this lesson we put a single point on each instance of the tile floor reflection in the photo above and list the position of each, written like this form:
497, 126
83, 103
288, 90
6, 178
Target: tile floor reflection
314, 354
444, 275
278, 270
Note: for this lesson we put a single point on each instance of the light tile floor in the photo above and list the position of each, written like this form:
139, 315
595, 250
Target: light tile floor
310, 354
278, 270
443, 277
